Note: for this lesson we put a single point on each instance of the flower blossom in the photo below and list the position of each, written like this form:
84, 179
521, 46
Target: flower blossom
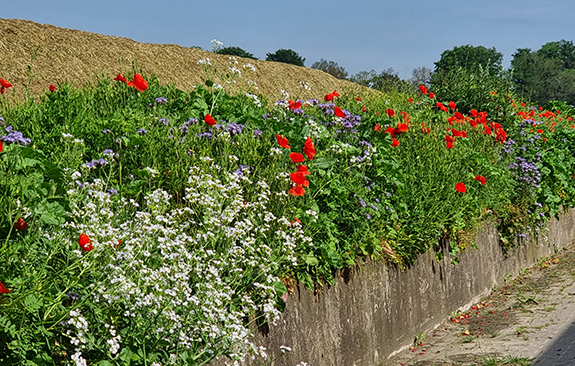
138, 83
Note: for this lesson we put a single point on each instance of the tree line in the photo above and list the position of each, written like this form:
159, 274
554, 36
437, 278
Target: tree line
541, 76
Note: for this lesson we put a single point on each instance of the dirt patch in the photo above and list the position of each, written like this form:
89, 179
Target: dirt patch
518, 321
55, 55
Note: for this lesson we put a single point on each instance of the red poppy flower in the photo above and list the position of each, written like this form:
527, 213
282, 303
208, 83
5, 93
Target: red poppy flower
402, 127
297, 191
394, 142
449, 144
451, 105
120, 78
338, 112
283, 141
392, 131
423, 89
1, 146
209, 120
85, 242
363, 109
410, 100
425, 129
296, 157
502, 136
440, 105
457, 133
52, 88
309, 149
431, 95
3, 289
390, 112
358, 99
294, 105
299, 178
138, 83
4, 83
330, 96
460, 187
539, 131
448, 138
20, 224
303, 169
377, 128
481, 179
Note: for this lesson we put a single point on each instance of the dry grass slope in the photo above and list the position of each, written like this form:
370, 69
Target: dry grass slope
81, 57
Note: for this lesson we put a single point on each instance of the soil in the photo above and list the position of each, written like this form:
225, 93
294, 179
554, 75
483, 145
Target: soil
515, 324
34, 55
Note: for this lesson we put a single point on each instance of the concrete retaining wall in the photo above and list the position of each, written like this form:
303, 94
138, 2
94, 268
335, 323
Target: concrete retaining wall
379, 310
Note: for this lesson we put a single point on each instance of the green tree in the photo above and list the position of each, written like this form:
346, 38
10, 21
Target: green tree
547, 74
561, 50
472, 58
235, 51
331, 67
385, 81
286, 56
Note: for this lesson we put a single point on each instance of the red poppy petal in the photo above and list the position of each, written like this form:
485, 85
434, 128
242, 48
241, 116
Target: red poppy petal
460, 187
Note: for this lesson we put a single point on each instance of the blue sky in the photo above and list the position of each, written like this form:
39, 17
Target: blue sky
358, 35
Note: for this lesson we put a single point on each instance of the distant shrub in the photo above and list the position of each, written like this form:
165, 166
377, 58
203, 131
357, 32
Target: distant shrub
331, 67
286, 56
235, 51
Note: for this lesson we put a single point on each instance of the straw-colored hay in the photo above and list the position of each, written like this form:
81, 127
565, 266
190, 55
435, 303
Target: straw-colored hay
80, 57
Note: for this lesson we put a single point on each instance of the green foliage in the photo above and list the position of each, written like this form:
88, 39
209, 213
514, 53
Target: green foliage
286, 56
385, 81
196, 227
479, 90
331, 67
547, 74
32, 190
562, 50
235, 51
471, 58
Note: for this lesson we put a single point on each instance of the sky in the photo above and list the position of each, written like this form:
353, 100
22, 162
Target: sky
359, 35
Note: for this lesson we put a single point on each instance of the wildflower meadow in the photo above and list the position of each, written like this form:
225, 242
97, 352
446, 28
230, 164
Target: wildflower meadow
144, 225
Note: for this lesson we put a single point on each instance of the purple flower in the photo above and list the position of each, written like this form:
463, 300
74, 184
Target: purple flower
161, 100
112, 191
206, 135
15, 137
165, 121
142, 131
106, 131
258, 133
234, 128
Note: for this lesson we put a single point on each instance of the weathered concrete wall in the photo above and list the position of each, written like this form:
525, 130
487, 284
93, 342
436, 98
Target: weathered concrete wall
380, 309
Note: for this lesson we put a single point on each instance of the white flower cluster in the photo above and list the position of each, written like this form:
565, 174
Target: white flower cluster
193, 274
316, 130
257, 101
205, 61
78, 337
250, 67
113, 342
